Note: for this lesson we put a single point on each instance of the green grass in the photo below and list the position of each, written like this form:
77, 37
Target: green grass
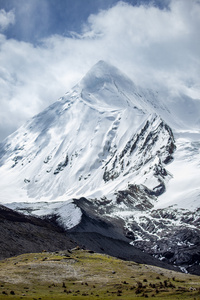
84, 275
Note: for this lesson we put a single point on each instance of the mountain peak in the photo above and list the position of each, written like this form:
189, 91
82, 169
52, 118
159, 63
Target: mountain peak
102, 66
100, 72
104, 84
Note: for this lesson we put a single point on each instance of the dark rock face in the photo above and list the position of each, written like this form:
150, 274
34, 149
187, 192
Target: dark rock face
61, 165
171, 236
140, 150
136, 197
22, 234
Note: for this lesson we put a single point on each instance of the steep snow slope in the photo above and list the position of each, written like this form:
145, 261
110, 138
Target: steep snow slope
183, 190
64, 149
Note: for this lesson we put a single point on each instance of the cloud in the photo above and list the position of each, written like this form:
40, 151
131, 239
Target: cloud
149, 41
6, 19
157, 48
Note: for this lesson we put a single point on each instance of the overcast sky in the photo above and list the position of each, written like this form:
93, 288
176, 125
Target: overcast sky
47, 46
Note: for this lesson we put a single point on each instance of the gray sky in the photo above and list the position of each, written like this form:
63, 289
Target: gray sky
46, 46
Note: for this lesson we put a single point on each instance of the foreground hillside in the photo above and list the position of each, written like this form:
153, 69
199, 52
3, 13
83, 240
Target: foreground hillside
21, 234
82, 274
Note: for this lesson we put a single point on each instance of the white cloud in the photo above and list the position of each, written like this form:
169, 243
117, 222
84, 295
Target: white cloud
6, 19
156, 48
148, 41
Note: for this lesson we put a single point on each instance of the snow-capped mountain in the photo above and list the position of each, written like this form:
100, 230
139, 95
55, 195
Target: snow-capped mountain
128, 152
69, 149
